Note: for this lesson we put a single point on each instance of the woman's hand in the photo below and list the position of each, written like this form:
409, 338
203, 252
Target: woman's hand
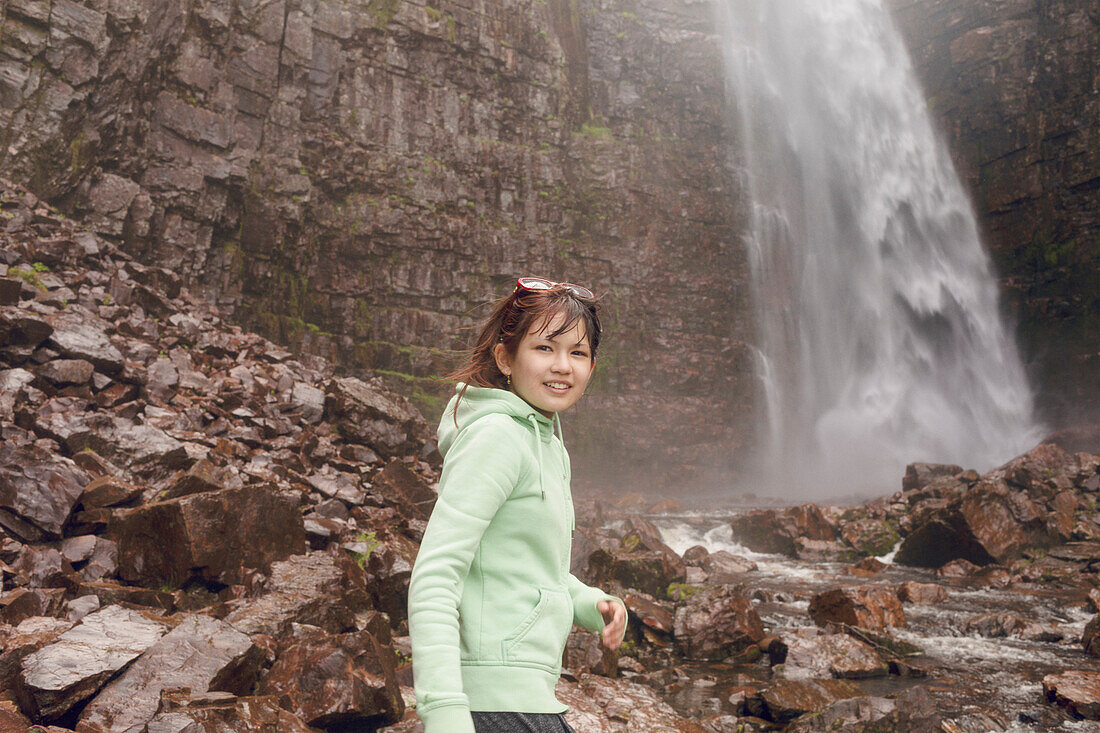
614, 618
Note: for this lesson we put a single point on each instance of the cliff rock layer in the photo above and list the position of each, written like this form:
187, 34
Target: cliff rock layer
354, 178
1016, 86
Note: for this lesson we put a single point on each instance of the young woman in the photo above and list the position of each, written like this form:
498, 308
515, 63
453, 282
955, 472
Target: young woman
491, 600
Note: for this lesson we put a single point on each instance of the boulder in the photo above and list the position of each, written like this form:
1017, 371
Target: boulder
317, 588
910, 711
30, 634
725, 568
83, 336
648, 571
108, 491
871, 607
369, 414
604, 705
1077, 691
38, 490
831, 655
1090, 639
872, 537
181, 712
775, 531
921, 594
715, 624
73, 667
786, 700
584, 654
919, 475
63, 372
216, 536
337, 681
201, 653
141, 448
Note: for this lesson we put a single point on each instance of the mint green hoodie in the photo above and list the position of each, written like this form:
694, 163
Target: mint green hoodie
491, 600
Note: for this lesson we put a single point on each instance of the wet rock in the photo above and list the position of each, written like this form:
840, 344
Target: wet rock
585, 654
308, 400
181, 712
73, 667
1090, 639
1076, 690
921, 594
83, 336
364, 413
788, 699
809, 550
920, 475
200, 477
869, 606
389, 569
337, 681
831, 655
652, 614
957, 569
201, 653
604, 705
215, 536
66, 371
78, 608
775, 531
108, 491
38, 490
23, 603
715, 624
110, 593
318, 589
910, 711
405, 490
872, 537
29, 635
139, 447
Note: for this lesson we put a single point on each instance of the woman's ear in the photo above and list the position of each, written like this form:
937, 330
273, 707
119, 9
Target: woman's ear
503, 359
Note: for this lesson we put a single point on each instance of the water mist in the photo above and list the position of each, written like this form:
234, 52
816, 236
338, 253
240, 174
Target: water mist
880, 337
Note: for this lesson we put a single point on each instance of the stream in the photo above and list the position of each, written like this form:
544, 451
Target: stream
976, 683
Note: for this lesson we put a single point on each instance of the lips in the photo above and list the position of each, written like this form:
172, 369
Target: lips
558, 386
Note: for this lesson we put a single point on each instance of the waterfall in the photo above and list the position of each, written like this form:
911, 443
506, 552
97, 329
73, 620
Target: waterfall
880, 337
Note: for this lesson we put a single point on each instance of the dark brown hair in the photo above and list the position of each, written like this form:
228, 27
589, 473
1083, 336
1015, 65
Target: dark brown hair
512, 317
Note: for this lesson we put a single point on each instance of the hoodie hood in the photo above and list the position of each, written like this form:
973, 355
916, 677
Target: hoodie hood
478, 402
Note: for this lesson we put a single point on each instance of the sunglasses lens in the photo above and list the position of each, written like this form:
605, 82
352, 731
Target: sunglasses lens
577, 290
535, 283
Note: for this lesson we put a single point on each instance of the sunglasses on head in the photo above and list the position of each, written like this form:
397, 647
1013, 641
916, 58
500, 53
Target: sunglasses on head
537, 284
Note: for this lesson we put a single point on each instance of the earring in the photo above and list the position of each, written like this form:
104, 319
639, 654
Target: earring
509, 378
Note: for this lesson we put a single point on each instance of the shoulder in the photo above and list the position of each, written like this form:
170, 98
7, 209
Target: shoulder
495, 436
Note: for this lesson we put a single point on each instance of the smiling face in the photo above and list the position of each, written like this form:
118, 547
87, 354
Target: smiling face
549, 373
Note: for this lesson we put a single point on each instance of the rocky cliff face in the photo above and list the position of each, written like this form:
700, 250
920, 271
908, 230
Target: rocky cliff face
354, 178
1016, 86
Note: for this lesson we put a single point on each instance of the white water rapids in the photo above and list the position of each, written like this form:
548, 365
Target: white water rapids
880, 335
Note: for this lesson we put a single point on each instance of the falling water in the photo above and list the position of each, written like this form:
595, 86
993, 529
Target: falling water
880, 337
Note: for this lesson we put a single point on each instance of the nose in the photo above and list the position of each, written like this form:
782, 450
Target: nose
561, 362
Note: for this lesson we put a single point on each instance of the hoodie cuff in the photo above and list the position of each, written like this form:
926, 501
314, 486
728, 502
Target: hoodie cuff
447, 719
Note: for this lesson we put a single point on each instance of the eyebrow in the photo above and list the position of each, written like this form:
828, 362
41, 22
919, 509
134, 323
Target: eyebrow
542, 336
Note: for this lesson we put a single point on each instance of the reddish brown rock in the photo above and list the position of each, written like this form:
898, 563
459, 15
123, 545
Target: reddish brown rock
317, 589
921, 594
201, 653
108, 491
38, 490
603, 705
1077, 691
73, 667
772, 530
366, 413
1090, 639
715, 624
957, 569
831, 655
29, 635
869, 606
584, 654
337, 681
786, 700
919, 475
215, 535
220, 711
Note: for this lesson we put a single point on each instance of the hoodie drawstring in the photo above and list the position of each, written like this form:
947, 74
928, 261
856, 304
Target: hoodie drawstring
538, 450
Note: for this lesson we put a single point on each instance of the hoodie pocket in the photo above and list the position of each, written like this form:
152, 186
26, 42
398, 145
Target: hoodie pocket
540, 638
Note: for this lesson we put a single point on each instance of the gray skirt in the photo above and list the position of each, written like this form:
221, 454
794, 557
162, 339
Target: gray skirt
520, 723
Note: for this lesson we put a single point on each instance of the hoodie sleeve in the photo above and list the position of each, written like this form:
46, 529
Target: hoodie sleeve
585, 598
482, 467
